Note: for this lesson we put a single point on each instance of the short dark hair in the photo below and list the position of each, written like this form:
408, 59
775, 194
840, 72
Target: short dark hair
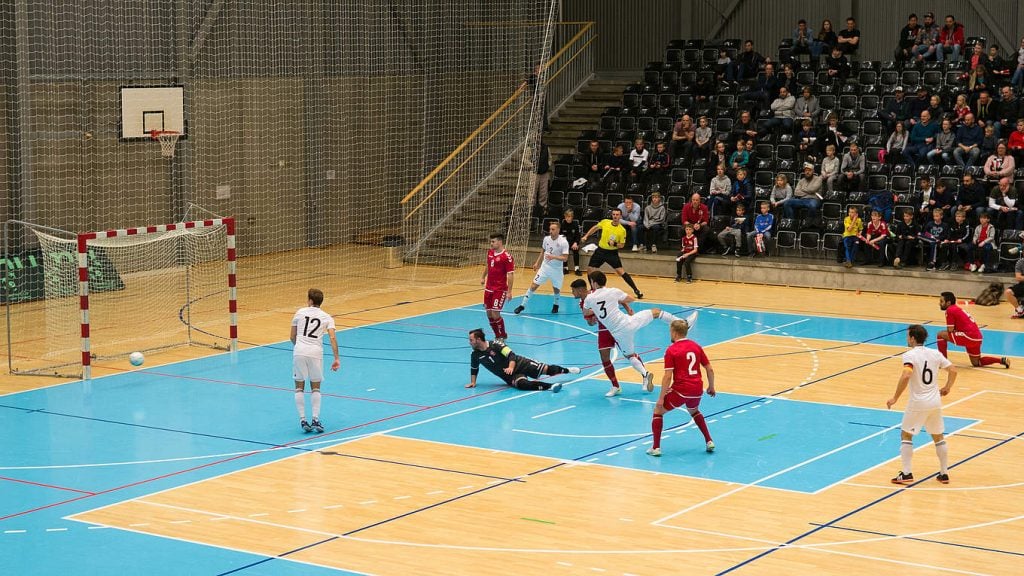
598, 277
948, 297
497, 236
912, 15
579, 283
478, 333
316, 296
918, 333
614, 210
801, 21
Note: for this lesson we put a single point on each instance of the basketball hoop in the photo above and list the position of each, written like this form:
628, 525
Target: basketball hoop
168, 140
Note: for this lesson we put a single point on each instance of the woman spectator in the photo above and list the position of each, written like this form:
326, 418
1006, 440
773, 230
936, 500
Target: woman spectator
897, 142
999, 165
781, 192
823, 42
718, 155
719, 191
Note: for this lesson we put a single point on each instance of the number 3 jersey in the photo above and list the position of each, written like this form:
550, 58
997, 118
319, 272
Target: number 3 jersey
924, 380
604, 303
311, 324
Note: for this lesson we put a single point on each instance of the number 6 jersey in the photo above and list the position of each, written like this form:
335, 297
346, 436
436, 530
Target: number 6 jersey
925, 364
311, 324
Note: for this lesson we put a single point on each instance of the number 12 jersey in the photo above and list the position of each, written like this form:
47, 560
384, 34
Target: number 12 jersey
311, 324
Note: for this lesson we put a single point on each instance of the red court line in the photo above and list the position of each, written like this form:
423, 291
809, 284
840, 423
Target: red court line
40, 484
239, 456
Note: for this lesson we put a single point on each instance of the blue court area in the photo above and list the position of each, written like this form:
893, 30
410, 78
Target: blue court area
82, 445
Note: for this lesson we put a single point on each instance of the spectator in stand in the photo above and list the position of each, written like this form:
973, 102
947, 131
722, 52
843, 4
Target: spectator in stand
984, 110
853, 226
1000, 164
742, 189
958, 242
968, 142
927, 39
719, 156
876, 236
751, 155
1017, 80
696, 214
781, 193
907, 44
960, 110
749, 62
998, 69
977, 80
719, 191
975, 59
919, 104
823, 42
744, 128
882, 201
945, 141
654, 223
837, 66
614, 166
734, 231
830, 166
989, 142
762, 232
1008, 110
928, 201
803, 38
921, 140
1002, 205
782, 113
767, 88
703, 138
570, 228
944, 199
638, 158
593, 161
848, 40
724, 69
788, 77
905, 233
631, 216
972, 198
805, 140
683, 134
935, 107
896, 145
896, 111
660, 166
807, 194
933, 234
832, 135
853, 168
739, 158
806, 107
951, 40
984, 242
1016, 143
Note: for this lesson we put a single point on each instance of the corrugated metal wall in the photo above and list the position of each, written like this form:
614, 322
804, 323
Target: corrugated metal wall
631, 33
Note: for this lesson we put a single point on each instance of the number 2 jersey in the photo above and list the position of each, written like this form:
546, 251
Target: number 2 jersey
311, 324
498, 266
925, 364
685, 358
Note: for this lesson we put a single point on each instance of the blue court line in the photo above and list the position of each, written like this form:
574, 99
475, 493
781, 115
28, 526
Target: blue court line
862, 508
942, 542
411, 465
282, 555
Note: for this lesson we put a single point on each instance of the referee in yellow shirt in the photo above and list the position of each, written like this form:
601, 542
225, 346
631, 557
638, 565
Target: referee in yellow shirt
613, 235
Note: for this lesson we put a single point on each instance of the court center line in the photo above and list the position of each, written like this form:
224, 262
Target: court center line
553, 412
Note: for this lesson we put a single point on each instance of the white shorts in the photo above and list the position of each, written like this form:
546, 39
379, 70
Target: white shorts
624, 333
552, 273
931, 420
307, 368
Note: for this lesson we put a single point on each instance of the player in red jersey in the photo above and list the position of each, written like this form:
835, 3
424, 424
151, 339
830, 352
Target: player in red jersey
605, 340
682, 384
497, 283
962, 330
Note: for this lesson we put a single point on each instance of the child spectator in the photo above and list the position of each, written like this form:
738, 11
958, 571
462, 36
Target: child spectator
687, 254
571, 230
739, 159
639, 157
882, 200
806, 138
943, 198
742, 189
660, 165
984, 245
830, 167
852, 228
933, 234
762, 231
876, 236
702, 140
957, 242
905, 231
614, 166
989, 141
719, 191
734, 231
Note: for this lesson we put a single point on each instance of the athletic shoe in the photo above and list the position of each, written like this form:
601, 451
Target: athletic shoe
654, 249
556, 387
573, 370
727, 251
577, 271
649, 382
896, 263
636, 248
944, 478
679, 278
499, 341
1017, 315
317, 426
981, 268
689, 279
973, 267
848, 264
930, 268
691, 319
639, 294
710, 447
654, 452
554, 309
518, 310
946, 266
737, 253
904, 479
306, 427
1005, 362
613, 391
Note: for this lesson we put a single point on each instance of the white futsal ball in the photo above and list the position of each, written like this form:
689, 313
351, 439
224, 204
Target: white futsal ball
136, 358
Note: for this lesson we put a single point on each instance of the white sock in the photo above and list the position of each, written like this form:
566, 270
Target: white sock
666, 317
315, 400
943, 451
526, 297
638, 364
558, 293
300, 403
906, 454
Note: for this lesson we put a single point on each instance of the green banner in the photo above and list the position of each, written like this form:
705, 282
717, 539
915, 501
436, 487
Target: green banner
23, 275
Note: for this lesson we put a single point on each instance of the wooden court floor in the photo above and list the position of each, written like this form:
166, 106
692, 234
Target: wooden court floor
384, 504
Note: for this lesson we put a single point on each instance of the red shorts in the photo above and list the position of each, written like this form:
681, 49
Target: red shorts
605, 340
674, 399
972, 345
495, 299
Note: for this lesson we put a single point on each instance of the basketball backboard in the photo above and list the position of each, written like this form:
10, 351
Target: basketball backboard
144, 109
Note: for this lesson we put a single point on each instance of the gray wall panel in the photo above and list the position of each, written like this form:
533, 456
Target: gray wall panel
629, 33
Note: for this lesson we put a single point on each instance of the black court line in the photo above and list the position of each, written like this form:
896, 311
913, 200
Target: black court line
930, 541
411, 465
281, 555
874, 502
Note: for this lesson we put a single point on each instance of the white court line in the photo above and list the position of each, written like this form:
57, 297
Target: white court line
553, 412
640, 401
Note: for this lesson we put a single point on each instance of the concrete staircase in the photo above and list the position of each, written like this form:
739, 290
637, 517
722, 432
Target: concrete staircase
583, 112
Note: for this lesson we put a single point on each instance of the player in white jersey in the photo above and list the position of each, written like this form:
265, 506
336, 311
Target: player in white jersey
924, 406
309, 325
603, 305
549, 266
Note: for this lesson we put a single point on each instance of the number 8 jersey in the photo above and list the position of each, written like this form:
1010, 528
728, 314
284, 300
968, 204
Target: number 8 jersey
924, 364
311, 324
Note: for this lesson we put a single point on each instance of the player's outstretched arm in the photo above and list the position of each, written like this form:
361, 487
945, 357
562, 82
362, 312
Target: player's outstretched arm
951, 374
901, 385
593, 229
334, 348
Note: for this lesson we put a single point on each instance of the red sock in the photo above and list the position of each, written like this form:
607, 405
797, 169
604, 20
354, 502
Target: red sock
609, 370
657, 423
499, 328
986, 360
698, 419
942, 346
495, 327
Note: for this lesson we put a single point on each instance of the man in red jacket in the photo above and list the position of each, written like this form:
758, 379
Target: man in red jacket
951, 40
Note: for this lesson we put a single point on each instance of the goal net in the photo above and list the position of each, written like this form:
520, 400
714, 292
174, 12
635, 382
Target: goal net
107, 294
